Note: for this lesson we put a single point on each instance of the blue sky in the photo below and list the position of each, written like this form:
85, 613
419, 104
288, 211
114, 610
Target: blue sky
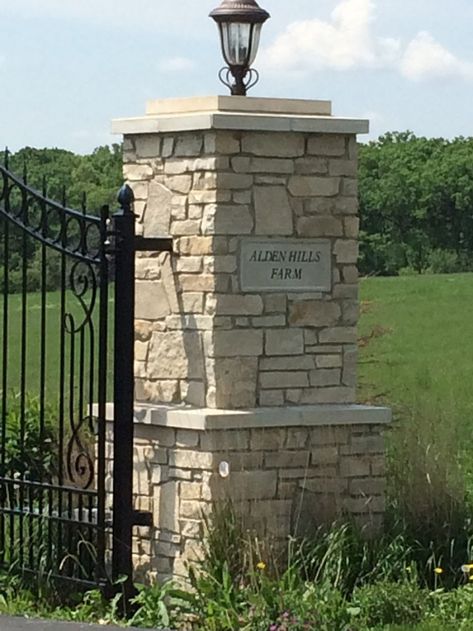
67, 67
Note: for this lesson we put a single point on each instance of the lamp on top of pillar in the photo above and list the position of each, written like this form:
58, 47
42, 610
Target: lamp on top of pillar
239, 23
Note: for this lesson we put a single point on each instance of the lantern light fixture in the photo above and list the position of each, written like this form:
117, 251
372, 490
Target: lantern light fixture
240, 23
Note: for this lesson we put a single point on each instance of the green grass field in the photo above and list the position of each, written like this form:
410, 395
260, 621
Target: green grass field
417, 344
51, 342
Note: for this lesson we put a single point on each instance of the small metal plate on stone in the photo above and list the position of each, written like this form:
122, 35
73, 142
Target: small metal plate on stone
291, 265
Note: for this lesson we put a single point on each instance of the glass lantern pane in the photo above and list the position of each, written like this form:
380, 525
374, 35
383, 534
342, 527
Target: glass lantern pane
236, 38
255, 42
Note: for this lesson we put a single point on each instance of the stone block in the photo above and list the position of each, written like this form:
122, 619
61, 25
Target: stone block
189, 264
352, 227
163, 391
289, 342
187, 438
141, 351
297, 438
268, 439
326, 145
371, 444
339, 335
309, 186
375, 504
319, 226
234, 181
192, 302
323, 456
245, 485
191, 459
240, 343
224, 142
328, 394
220, 264
234, 304
311, 166
266, 322
194, 246
323, 486
271, 398
143, 330
227, 440
198, 282
137, 172
175, 354
367, 486
179, 183
192, 529
242, 197
204, 180
157, 216
167, 147
275, 303
314, 313
270, 165
208, 197
346, 251
188, 145
273, 145
166, 506
191, 509
227, 219
190, 490
355, 466
299, 362
325, 377
292, 379
185, 227
287, 460
273, 211
343, 167
350, 274
151, 301
235, 382
350, 187
241, 164
328, 361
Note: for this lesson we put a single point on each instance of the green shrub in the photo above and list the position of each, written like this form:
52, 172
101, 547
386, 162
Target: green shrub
31, 450
454, 606
389, 602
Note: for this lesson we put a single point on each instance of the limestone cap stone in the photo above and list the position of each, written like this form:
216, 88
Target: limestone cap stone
239, 113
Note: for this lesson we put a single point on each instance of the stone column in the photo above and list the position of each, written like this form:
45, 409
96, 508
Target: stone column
246, 336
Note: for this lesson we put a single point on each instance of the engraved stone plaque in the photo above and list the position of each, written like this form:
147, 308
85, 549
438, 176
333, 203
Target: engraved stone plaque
290, 265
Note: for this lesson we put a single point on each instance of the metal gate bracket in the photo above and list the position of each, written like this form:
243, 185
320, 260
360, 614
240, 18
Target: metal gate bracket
143, 518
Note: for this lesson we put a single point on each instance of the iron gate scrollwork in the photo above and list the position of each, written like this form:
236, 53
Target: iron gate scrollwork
55, 513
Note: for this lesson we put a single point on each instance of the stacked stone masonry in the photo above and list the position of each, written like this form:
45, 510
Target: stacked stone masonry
283, 481
200, 340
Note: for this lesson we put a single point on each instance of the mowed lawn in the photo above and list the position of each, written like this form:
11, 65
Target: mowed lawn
35, 343
417, 344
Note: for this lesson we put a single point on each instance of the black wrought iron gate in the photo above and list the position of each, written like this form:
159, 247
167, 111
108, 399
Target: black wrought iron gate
61, 271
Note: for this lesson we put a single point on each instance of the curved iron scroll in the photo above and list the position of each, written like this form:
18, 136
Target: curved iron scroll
78, 234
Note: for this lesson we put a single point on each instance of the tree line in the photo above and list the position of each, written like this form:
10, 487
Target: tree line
416, 202
78, 181
416, 205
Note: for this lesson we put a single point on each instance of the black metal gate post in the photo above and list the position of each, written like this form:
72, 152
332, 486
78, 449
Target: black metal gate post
124, 231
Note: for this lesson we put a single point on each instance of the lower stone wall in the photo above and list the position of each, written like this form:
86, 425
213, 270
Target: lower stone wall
282, 481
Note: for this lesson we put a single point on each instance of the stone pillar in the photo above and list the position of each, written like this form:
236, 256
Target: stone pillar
251, 324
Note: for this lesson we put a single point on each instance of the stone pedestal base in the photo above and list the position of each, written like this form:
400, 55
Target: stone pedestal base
286, 471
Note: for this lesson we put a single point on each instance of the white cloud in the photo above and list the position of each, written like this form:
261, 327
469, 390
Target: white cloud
176, 64
344, 42
348, 41
425, 58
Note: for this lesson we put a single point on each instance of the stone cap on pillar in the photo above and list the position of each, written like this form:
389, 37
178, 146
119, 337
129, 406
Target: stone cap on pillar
239, 113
